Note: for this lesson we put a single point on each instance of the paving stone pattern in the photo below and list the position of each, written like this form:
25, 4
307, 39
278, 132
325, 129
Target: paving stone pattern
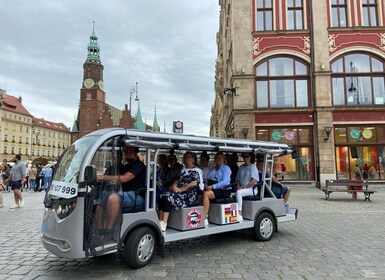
332, 239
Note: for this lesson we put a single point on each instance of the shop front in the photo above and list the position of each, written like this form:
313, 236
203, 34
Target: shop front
362, 146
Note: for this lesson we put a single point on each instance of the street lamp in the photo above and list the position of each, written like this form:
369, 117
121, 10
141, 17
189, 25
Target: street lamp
245, 131
134, 89
37, 134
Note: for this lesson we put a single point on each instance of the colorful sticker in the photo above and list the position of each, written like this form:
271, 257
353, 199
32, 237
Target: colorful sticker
289, 135
231, 213
276, 135
367, 133
354, 133
194, 218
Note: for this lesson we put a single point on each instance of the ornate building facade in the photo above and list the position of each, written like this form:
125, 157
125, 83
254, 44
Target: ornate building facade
308, 73
21, 133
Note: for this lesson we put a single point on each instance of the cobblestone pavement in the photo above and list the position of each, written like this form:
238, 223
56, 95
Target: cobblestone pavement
335, 239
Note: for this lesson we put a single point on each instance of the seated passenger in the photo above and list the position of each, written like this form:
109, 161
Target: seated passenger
204, 165
133, 177
178, 195
246, 178
175, 169
218, 177
279, 190
162, 175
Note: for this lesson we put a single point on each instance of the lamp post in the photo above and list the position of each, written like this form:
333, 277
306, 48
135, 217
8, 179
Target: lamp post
134, 89
37, 134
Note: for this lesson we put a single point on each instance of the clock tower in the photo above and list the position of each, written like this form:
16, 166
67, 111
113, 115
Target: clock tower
92, 95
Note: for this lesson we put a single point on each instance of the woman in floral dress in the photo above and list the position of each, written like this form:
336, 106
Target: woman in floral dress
178, 195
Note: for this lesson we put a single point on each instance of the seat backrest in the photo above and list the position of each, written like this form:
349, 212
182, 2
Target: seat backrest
257, 196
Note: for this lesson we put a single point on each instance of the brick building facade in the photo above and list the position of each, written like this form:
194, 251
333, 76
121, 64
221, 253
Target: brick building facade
94, 113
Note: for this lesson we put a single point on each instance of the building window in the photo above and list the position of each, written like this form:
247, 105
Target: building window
358, 79
282, 82
26, 151
339, 13
5, 137
12, 150
294, 15
264, 15
363, 146
21, 129
300, 164
369, 13
20, 139
5, 150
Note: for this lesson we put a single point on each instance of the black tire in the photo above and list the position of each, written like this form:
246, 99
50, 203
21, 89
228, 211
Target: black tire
139, 247
264, 227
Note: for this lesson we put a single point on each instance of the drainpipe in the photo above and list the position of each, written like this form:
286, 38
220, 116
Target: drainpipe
313, 96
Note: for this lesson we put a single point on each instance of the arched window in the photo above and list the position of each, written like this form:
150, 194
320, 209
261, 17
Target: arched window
282, 82
358, 79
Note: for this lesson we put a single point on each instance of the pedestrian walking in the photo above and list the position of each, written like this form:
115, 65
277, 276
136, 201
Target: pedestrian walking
32, 178
17, 180
47, 176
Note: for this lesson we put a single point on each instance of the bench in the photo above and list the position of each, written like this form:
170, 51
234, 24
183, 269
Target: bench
349, 187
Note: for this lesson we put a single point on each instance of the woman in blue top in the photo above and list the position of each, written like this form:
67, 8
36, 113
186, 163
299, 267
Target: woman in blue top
218, 177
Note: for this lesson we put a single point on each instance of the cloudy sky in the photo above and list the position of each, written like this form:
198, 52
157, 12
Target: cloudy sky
168, 47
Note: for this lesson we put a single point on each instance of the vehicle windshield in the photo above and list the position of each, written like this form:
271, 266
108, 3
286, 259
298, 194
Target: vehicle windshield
68, 166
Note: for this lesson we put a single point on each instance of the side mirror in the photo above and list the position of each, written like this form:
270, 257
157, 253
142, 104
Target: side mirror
90, 174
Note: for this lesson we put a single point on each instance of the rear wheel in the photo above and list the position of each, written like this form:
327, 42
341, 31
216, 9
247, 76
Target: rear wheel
264, 227
139, 247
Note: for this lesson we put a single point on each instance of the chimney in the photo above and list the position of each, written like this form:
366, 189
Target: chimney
21, 100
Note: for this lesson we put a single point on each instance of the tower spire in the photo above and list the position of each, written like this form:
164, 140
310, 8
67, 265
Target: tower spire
139, 124
155, 125
93, 47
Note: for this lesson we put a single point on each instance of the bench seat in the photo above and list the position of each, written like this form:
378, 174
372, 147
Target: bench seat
347, 184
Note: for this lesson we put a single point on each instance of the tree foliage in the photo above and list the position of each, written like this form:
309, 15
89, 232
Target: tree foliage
40, 161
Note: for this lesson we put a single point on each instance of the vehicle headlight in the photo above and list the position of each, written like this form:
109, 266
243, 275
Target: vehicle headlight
64, 208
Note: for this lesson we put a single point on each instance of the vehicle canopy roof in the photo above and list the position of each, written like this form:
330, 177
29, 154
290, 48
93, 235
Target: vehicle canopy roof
159, 140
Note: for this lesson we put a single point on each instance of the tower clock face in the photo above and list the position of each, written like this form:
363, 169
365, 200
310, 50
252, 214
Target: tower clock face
88, 83
101, 85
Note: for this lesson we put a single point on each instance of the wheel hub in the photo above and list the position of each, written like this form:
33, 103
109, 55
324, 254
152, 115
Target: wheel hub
145, 248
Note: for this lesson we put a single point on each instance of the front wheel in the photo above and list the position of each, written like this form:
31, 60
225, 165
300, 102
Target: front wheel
264, 227
139, 247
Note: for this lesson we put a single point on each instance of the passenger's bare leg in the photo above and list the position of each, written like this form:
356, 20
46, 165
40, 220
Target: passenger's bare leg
99, 216
207, 196
165, 217
161, 213
287, 195
113, 209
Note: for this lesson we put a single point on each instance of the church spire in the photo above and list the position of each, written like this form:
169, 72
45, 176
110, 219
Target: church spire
139, 124
155, 125
93, 47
